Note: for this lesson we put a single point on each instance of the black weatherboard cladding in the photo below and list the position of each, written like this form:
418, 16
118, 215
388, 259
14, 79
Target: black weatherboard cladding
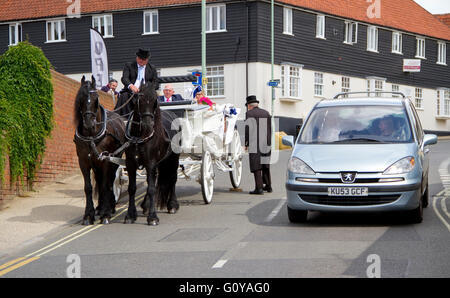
177, 44
332, 55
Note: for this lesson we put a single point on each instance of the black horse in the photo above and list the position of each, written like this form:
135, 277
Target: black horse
97, 131
149, 134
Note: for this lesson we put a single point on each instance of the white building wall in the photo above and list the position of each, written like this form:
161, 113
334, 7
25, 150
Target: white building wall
259, 75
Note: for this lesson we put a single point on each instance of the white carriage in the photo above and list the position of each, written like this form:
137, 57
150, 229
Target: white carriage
206, 137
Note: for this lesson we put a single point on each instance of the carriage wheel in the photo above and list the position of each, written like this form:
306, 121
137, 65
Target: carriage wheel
207, 177
117, 186
236, 160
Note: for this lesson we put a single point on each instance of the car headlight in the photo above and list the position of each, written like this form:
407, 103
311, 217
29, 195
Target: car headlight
402, 166
298, 166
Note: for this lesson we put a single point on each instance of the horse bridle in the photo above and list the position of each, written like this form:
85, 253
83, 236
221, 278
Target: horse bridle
138, 140
102, 132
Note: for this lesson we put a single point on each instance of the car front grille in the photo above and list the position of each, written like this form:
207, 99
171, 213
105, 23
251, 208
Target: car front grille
349, 201
357, 180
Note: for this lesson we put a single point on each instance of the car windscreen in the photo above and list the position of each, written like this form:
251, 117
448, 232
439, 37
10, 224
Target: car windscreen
357, 124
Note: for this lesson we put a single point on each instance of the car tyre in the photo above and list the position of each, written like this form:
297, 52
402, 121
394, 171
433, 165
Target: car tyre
426, 197
297, 216
416, 216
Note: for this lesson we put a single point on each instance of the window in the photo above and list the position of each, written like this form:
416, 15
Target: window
291, 80
351, 33
320, 26
345, 85
397, 44
103, 24
151, 22
418, 98
15, 34
395, 88
420, 48
287, 20
215, 85
443, 102
442, 53
56, 30
318, 84
372, 39
215, 18
375, 85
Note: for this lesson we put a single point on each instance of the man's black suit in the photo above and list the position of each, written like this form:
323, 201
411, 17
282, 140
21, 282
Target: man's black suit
258, 139
129, 76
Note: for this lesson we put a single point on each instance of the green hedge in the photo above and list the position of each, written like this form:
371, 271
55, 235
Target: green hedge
26, 110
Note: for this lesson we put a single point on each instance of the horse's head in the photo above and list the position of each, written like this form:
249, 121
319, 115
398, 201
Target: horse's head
146, 106
87, 105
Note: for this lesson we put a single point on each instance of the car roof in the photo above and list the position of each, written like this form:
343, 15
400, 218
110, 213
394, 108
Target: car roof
382, 101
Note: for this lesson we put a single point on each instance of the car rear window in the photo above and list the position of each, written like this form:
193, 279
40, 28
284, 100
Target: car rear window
357, 124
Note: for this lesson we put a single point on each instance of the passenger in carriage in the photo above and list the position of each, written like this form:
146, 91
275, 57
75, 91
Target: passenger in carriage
133, 74
169, 95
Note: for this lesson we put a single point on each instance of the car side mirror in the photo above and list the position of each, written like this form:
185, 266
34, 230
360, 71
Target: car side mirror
288, 141
430, 139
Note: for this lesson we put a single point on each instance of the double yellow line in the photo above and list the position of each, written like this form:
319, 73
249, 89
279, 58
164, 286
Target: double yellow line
22, 261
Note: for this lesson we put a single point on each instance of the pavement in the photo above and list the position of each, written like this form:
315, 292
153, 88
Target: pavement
25, 220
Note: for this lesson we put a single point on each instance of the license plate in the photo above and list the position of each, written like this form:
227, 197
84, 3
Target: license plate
348, 191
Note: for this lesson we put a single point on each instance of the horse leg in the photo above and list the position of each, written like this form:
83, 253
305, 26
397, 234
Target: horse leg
108, 195
145, 202
172, 176
89, 212
152, 218
131, 213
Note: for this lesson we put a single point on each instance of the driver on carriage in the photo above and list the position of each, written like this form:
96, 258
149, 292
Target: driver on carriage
133, 73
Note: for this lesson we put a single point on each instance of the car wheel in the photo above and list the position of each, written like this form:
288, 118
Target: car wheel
297, 216
426, 197
416, 215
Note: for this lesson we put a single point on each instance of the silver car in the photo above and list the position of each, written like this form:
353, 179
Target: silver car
364, 154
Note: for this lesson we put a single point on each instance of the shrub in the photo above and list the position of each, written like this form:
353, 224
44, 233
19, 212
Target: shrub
26, 110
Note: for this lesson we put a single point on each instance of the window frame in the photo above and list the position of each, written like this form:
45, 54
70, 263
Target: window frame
351, 30
421, 41
17, 37
372, 33
288, 21
319, 85
398, 41
104, 17
209, 17
153, 13
208, 89
418, 98
442, 53
288, 80
52, 23
320, 26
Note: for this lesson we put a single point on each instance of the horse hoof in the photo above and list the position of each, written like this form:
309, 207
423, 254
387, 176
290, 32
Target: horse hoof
153, 222
172, 211
105, 221
129, 221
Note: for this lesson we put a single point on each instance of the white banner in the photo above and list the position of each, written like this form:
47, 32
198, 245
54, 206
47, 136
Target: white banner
411, 65
99, 59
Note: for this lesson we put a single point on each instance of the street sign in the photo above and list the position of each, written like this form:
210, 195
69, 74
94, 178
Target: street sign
273, 83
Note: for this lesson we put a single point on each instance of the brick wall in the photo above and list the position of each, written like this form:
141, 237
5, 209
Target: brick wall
60, 158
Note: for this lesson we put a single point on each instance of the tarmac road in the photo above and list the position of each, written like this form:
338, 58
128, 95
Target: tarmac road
239, 235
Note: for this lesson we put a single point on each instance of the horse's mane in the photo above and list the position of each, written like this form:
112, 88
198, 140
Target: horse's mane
81, 95
149, 91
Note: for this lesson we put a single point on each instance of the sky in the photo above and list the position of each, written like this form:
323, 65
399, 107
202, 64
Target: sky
435, 6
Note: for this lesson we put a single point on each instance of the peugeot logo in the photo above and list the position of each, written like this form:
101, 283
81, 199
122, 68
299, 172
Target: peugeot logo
348, 177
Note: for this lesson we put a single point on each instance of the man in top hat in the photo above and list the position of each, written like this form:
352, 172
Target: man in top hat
258, 138
133, 73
